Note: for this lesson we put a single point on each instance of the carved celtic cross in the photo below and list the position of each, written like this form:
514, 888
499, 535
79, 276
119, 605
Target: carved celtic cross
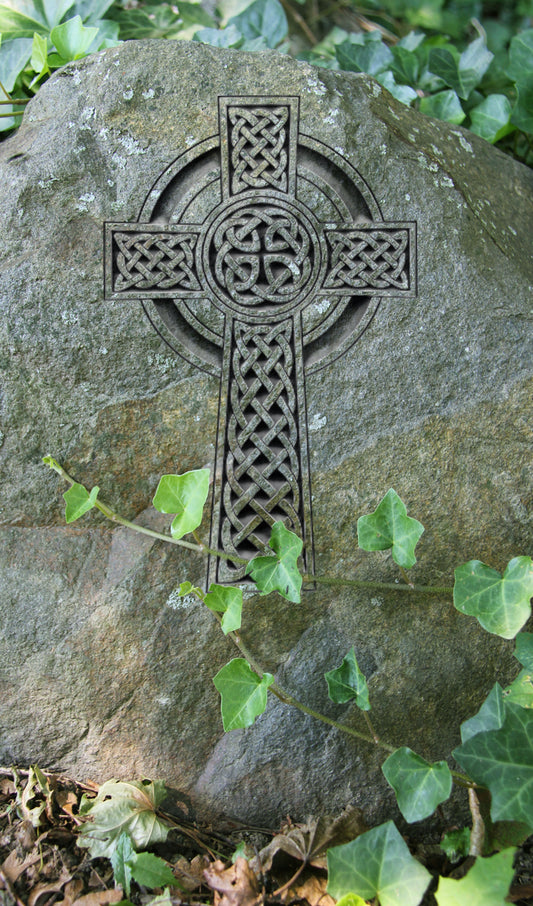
260, 255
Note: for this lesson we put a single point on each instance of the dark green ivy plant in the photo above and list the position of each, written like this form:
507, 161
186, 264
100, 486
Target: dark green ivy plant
447, 59
496, 750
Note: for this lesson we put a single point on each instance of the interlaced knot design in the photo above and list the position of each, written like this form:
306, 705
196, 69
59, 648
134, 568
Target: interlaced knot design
362, 259
155, 260
262, 461
262, 255
258, 138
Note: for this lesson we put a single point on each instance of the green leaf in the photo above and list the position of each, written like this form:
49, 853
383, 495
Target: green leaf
226, 599
489, 717
243, 693
120, 858
262, 19
185, 495
445, 105
405, 64
522, 115
15, 24
39, 54
419, 786
279, 573
502, 761
220, 37
462, 73
151, 871
351, 899
486, 884
402, 93
524, 649
372, 56
521, 690
377, 864
520, 65
123, 807
347, 682
79, 501
490, 119
72, 40
456, 844
14, 56
500, 604
389, 526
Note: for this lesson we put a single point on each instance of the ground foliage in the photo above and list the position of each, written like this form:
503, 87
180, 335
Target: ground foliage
45, 857
468, 62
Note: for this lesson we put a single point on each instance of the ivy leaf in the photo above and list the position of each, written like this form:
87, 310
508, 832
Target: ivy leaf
489, 717
347, 682
219, 37
151, 871
185, 495
405, 64
419, 786
351, 899
490, 119
456, 844
371, 56
78, 501
402, 93
521, 690
71, 39
262, 19
524, 649
462, 73
120, 859
377, 864
39, 56
501, 605
123, 807
522, 115
243, 693
279, 573
521, 56
486, 884
389, 526
445, 105
226, 599
502, 761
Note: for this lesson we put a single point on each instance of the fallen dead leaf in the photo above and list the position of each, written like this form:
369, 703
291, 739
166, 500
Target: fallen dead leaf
312, 889
191, 874
13, 866
309, 842
53, 887
100, 898
233, 886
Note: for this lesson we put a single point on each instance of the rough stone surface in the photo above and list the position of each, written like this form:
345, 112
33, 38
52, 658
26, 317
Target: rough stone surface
103, 670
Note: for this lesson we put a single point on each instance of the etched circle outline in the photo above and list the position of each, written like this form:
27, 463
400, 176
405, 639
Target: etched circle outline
244, 202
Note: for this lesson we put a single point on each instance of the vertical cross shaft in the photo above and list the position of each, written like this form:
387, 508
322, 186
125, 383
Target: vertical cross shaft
253, 254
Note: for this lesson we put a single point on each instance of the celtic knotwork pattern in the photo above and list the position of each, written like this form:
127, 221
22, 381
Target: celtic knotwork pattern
368, 259
154, 261
263, 254
262, 458
258, 148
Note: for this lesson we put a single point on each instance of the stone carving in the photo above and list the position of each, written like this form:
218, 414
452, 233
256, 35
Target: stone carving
260, 255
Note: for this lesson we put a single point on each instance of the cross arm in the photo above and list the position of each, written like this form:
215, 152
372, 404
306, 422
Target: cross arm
366, 258
150, 260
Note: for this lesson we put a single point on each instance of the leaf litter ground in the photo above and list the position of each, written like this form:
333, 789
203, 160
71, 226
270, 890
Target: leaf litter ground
222, 864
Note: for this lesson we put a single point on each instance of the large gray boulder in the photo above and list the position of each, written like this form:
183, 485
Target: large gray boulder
104, 670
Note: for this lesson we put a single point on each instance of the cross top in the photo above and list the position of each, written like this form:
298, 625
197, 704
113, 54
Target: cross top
260, 255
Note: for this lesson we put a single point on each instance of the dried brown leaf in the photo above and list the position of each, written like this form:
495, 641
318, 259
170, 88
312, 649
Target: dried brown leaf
13, 866
233, 886
309, 842
191, 874
312, 889
99, 898
53, 887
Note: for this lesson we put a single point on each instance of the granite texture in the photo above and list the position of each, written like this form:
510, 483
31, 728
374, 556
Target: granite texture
103, 670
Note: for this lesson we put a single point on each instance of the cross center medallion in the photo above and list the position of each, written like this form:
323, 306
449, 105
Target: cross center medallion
260, 255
